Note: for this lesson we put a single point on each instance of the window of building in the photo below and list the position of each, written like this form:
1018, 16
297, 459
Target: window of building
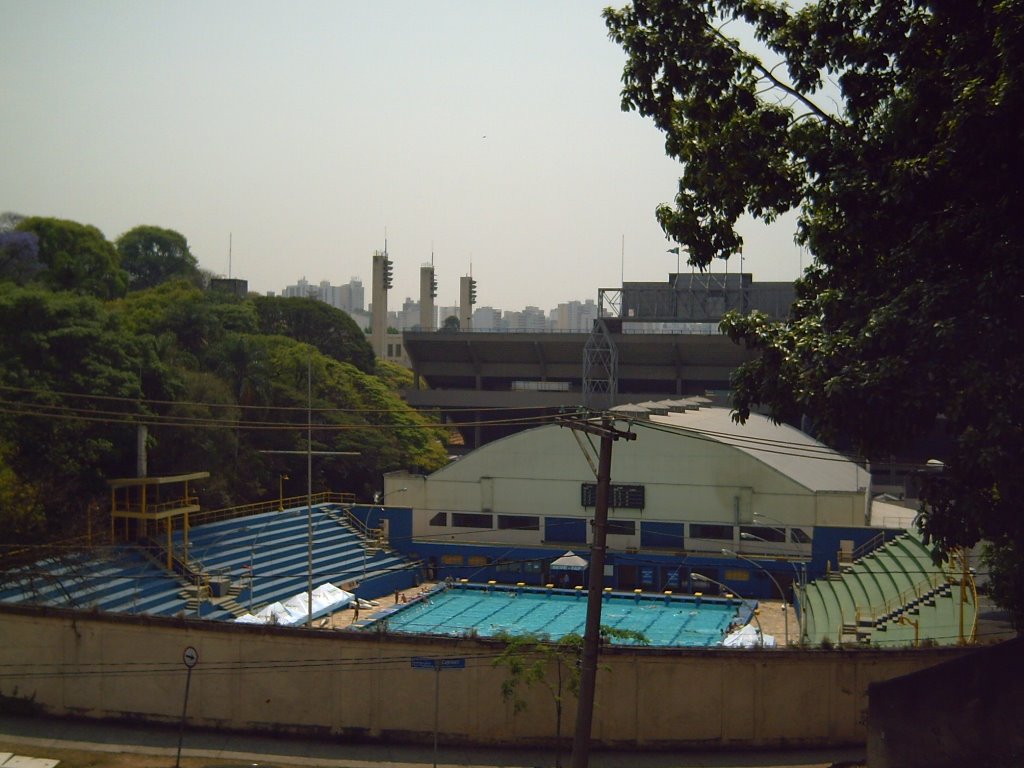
440, 519
736, 574
566, 530
452, 560
518, 523
710, 531
763, 533
621, 527
799, 536
478, 561
471, 520
661, 535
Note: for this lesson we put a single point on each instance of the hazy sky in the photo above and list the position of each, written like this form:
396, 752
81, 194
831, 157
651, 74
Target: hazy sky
489, 132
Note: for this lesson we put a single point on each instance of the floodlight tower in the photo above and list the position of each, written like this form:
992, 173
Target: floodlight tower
382, 276
428, 292
467, 298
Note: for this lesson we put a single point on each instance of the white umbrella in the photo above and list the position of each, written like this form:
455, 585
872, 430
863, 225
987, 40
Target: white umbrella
570, 561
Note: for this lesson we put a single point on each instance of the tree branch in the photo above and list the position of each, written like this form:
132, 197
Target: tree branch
770, 77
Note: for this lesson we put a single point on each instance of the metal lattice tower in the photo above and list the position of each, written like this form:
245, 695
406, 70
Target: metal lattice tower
600, 368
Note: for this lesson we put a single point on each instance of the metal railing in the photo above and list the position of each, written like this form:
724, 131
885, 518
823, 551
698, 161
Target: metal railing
159, 506
928, 586
273, 505
868, 547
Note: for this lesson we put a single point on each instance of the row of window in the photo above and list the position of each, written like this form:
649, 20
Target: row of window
482, 520
666, 535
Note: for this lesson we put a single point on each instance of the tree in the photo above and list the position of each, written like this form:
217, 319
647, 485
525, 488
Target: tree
529, 658
893, 128
152, 255
330, 330
9, 220
77, 258
70, 378
19, 257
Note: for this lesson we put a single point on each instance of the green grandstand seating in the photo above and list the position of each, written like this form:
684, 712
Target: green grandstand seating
889, 591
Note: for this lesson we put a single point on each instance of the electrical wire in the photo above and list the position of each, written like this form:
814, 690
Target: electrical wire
56, 410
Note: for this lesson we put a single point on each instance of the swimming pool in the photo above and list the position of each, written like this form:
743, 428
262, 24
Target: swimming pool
488, 611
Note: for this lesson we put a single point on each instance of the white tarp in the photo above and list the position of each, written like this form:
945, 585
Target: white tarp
570, 561
748, 636
327, 598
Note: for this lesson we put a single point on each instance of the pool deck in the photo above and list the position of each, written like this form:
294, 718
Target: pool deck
770, 613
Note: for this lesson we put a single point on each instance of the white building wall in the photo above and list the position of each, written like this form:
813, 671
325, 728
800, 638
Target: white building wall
687, 478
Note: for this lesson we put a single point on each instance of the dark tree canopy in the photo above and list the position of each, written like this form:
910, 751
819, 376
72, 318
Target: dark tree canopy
77, 257
330, 330
61, 342
19, 256
152, 255
220, 381
895, 129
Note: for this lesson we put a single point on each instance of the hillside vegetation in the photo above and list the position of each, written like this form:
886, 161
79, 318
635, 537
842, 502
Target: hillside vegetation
99, 340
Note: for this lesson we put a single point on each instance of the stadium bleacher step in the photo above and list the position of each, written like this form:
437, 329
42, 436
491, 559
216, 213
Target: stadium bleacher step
229, 605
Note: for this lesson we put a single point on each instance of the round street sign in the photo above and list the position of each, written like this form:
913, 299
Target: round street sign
190, 656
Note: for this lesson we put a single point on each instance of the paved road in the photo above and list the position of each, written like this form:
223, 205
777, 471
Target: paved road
33, 736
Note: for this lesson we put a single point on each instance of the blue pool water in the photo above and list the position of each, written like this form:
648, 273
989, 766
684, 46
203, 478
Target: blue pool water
489, 611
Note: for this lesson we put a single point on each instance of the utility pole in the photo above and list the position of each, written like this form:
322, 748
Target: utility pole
592, 632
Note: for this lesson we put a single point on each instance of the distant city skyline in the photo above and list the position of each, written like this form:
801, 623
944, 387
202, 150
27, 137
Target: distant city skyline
485, 136
568, 315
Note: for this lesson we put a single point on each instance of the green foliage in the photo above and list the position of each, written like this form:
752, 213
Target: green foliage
220, 381
890, 127
530, 658
77, 258
393, 375
61, 356
330, 330
23, 518
1005, 565
214, 445
151, 255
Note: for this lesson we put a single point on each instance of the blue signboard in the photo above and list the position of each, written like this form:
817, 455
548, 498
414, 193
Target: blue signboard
428, 662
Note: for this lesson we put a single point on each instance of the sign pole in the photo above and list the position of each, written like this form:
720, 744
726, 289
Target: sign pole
436, 664
437, 703
190, 656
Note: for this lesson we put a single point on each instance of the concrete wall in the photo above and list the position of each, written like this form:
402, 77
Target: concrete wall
967, 711
308, 681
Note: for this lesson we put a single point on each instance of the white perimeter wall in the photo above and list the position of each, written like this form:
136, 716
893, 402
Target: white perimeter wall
296, 680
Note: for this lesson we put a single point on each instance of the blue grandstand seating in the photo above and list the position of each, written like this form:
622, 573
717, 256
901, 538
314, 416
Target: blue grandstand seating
258, 559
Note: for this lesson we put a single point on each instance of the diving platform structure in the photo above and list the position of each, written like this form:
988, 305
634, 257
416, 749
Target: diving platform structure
144, 505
